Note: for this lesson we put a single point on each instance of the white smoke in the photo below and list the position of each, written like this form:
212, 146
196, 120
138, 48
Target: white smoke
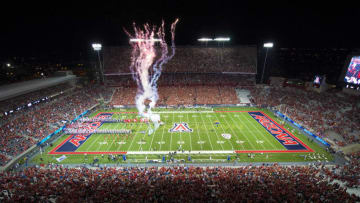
142, 65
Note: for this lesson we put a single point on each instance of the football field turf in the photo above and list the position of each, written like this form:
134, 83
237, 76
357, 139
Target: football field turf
218, 131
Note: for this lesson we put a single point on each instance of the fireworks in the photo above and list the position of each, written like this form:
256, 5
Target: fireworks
146, 65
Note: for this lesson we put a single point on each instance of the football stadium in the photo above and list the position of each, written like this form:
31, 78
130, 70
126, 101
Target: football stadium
153, 121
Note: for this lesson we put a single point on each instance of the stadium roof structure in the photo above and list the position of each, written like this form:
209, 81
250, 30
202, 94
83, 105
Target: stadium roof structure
16, 89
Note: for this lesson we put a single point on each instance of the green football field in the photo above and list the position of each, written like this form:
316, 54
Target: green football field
197, 135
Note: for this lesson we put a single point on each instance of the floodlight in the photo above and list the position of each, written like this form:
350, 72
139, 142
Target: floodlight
8, 64
222, 39
204, 39
96, 46
145, 40
268, 45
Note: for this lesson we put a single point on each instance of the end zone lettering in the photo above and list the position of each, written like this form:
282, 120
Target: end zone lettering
284, 138
73, 143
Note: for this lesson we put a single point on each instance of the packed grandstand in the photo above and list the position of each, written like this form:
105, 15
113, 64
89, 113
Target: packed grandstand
196, 76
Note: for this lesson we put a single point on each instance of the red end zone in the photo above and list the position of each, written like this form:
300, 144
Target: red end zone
54, 152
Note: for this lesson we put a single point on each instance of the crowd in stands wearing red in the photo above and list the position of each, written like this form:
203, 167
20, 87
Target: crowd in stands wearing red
174, 184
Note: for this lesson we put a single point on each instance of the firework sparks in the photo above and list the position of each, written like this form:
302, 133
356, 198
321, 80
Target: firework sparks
146, 65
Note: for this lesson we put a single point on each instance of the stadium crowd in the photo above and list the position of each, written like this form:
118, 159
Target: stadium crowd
271, 183
191, 59
181, 95
348, 173
186, 89
23, 130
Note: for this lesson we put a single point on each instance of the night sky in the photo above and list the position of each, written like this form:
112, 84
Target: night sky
37, 29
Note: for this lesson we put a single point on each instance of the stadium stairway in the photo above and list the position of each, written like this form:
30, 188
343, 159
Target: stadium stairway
243, 95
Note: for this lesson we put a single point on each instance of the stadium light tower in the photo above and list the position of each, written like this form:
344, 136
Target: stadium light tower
97, 47
267, 45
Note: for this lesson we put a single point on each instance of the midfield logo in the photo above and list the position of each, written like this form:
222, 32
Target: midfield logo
180, 128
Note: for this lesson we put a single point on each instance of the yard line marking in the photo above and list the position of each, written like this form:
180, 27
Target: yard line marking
96, 141
132, 141
236, 125
251, 132
171, 133
187, 115
238, 136
207, 133
217, 137
162, 134
267, 133
232, 147
197, 132
235, 134
152, 139
143, 137
113, 142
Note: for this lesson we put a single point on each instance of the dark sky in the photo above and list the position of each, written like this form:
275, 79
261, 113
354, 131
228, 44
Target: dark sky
66, 28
